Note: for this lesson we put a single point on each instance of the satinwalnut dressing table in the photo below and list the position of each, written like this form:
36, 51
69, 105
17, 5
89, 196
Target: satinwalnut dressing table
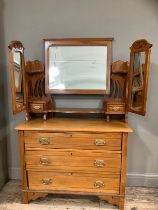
77, 155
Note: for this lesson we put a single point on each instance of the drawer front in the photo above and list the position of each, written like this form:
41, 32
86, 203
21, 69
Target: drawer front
72, 160
109, 141
116, 109
36, 107
72, 182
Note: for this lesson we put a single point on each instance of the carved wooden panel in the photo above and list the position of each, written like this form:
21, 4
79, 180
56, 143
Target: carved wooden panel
35, 79
118, 88
37, 101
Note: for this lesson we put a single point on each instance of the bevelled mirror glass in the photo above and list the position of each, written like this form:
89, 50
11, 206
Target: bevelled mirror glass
78, 66
16, 61
138, 80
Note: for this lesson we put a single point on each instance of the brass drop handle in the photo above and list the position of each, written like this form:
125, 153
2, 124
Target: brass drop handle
36, 107
99, 163
99, 184
46, 181
100, 142
44, 161
44, 141
18, 106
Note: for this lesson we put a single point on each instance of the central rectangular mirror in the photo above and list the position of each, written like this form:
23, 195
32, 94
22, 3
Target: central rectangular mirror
78, 66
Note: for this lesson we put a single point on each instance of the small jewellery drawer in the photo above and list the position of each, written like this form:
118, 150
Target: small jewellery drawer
108, 141
82, 160
115, 109
36, 107
72, 181
19, 105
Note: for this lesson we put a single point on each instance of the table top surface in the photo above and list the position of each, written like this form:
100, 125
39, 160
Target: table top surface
74, 124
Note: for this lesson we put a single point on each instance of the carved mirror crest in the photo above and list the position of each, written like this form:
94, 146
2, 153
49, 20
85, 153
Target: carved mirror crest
138, 76
17, 65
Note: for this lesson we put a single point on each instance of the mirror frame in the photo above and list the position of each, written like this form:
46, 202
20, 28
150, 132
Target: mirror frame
139, 46
78, 42
17, 46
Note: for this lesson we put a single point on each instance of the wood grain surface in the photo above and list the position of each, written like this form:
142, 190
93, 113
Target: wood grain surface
75, 124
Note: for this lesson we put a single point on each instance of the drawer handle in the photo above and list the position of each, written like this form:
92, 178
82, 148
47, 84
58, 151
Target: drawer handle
46, 181
44, 161
99, 184
99, 163
100, 142
37, 107
116, 108
18, 106
44, 141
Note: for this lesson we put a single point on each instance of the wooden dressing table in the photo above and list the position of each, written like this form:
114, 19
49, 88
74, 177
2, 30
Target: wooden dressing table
77, 155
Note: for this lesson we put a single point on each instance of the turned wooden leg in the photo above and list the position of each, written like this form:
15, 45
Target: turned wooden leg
126, 117
108, 118
24, 198
27, 116
45, 116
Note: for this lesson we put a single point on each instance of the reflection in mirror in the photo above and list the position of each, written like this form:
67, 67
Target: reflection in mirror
77, 67
139, 70
16, 70
137, 80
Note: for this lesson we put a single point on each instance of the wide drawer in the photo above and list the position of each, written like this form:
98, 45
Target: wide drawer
72, 182
89, 160
109, 141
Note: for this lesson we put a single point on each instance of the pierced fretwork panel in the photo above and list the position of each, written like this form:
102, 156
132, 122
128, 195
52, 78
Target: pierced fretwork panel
35, 79
118, 87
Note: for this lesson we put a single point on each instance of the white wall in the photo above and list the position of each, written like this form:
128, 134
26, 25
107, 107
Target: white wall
126, 20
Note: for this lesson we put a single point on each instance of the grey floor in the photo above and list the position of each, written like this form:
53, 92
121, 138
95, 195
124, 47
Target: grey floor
137, 198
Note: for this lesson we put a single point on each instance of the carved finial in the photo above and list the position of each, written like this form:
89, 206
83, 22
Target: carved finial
15, 44
141, 45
